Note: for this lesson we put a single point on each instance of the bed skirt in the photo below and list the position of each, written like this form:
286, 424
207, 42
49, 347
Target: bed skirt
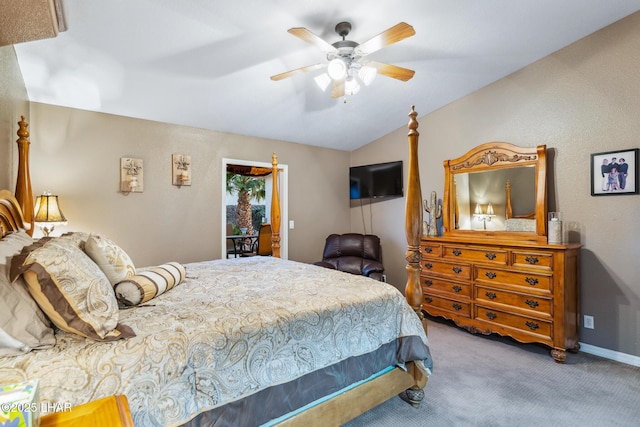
275, 402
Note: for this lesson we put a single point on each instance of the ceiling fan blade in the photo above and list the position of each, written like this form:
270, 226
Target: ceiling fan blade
337, 90
394, 34
393, 71
309, 37
297, 71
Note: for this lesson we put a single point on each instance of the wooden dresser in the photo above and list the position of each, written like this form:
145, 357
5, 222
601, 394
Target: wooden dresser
526, 290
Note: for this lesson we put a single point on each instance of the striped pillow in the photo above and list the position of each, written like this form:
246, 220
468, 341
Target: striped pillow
149, 283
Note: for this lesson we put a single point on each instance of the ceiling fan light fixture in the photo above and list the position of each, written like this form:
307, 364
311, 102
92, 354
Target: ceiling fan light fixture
367, 74
351, 86
337, 69
323, 81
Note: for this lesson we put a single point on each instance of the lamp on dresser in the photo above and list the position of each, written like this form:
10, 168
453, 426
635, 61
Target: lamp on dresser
484, 216
48, 213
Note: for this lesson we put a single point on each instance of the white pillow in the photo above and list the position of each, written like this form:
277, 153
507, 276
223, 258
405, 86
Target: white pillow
111, 258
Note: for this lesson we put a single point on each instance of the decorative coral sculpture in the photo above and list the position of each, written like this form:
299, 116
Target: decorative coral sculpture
435, 211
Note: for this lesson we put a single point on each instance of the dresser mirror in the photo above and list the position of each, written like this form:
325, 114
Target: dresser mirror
497, 190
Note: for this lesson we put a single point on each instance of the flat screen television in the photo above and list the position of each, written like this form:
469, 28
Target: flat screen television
381, 180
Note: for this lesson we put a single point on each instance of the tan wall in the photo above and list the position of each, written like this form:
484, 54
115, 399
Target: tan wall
580, 100
76, 154
13, 104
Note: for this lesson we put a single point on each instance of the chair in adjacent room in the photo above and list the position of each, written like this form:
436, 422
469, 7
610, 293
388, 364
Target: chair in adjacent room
354, 253
231, 245
262, 245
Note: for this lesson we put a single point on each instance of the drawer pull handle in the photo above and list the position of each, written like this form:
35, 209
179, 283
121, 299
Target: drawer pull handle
531, 280
491, 315
457, 270
428, 265
531, 303
456, 288
428, 249
457, 307
490, 274
428, 299
532, 259
490, 255
428, 282
490, 295
457, 252
532, 325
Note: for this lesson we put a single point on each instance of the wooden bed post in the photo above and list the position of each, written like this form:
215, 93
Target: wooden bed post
413, 230
275, 208
413, 222
23, 191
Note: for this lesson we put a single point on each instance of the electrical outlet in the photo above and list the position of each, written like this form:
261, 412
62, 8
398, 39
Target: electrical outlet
588, 322
384, 278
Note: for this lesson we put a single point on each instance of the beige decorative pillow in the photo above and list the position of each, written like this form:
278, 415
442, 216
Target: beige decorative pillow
78, 238
23, 326
111, 258
149, 283
71, 289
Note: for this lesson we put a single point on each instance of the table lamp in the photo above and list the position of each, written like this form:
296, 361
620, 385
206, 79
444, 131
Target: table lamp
48, 213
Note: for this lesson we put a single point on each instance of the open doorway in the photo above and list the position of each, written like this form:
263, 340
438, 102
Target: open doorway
283, 192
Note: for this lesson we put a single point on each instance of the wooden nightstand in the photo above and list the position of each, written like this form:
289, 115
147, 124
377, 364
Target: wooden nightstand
112, 411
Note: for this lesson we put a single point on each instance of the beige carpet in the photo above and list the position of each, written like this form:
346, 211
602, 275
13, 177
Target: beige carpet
494, 381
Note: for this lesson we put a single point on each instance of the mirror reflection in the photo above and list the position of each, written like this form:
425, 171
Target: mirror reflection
481, 198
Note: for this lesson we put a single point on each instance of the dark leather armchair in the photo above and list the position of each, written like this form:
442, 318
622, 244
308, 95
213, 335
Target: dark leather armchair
353, 253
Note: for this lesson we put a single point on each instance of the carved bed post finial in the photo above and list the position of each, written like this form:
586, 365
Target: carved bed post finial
275, 208
413, 221
23, 191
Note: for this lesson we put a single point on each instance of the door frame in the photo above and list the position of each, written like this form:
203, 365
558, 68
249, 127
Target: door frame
283, 183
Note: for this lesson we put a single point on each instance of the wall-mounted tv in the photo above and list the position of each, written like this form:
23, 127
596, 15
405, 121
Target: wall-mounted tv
381, 180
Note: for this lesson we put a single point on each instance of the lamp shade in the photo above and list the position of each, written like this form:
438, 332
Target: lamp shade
337, 69
367, 74
490, 209
48, 210
351, 86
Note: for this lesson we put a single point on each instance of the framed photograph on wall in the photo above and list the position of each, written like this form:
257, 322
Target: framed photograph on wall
614, 173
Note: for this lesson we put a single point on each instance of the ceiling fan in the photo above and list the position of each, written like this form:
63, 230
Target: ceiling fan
347, 63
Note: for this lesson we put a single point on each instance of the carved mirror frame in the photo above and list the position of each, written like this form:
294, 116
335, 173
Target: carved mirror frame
494, 156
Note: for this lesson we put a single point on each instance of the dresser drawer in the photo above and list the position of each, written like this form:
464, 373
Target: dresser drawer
514, 321
431, 250
542, 306
435, 284
492, 255
532, 260
538, 282
452, 270
434, 304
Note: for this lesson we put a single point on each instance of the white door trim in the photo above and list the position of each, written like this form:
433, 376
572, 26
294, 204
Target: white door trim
284, 203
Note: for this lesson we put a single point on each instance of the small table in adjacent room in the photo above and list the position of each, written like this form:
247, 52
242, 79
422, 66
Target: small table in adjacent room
112, 411
243, 243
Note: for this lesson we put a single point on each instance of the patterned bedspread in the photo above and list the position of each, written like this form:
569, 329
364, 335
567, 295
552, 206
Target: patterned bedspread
233, 328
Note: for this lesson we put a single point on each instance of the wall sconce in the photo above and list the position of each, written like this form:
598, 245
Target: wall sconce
180, 170
131, 175
48, 213
484, 216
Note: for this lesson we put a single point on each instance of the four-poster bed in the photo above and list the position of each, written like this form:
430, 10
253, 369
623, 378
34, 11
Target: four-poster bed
324, 347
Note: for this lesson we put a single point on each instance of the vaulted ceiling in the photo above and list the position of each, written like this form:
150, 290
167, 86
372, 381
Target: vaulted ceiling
207, 63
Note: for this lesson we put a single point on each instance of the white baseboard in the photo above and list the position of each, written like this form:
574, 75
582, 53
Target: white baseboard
610, 354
